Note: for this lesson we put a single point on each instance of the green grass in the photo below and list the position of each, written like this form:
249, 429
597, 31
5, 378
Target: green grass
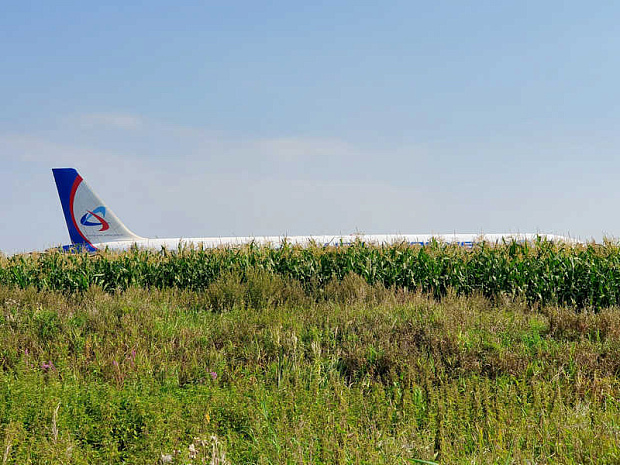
264, 368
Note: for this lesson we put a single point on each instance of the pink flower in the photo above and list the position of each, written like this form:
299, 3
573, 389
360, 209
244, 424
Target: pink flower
48, 366
213, 375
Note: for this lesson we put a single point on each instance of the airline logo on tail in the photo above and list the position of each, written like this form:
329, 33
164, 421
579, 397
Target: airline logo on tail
89, 221
98, 214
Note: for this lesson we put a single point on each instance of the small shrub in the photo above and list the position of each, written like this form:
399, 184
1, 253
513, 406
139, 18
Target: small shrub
226, 293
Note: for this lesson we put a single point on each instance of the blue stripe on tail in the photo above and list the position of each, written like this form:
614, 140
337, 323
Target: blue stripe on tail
65, 180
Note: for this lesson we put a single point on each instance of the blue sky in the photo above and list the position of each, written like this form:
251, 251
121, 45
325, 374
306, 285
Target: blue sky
238, 118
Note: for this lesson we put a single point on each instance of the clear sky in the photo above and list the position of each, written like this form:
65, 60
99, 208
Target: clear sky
286, 117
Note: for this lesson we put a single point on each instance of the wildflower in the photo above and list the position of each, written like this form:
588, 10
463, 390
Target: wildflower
132, 358
46, 366
213, 375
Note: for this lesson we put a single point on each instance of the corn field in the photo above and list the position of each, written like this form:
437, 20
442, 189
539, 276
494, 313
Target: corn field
580, 276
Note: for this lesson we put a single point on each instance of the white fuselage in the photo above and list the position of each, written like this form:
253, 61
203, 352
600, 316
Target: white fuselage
93, 226
466, 240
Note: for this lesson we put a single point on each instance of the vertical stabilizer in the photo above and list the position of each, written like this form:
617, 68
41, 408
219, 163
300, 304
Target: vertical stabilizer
89, 220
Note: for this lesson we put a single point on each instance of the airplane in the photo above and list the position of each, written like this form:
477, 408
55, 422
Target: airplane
94, 226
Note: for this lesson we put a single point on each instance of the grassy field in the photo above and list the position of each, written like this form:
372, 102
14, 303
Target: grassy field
262, 360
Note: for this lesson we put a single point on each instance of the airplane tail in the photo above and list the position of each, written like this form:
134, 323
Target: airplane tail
89, 220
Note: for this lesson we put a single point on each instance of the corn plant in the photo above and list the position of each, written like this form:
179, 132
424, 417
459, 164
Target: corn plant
580, 276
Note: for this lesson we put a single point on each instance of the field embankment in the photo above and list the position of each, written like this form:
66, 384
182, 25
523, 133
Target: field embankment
315, 361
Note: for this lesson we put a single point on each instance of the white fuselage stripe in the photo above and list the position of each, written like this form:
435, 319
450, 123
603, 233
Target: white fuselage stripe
325, 240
